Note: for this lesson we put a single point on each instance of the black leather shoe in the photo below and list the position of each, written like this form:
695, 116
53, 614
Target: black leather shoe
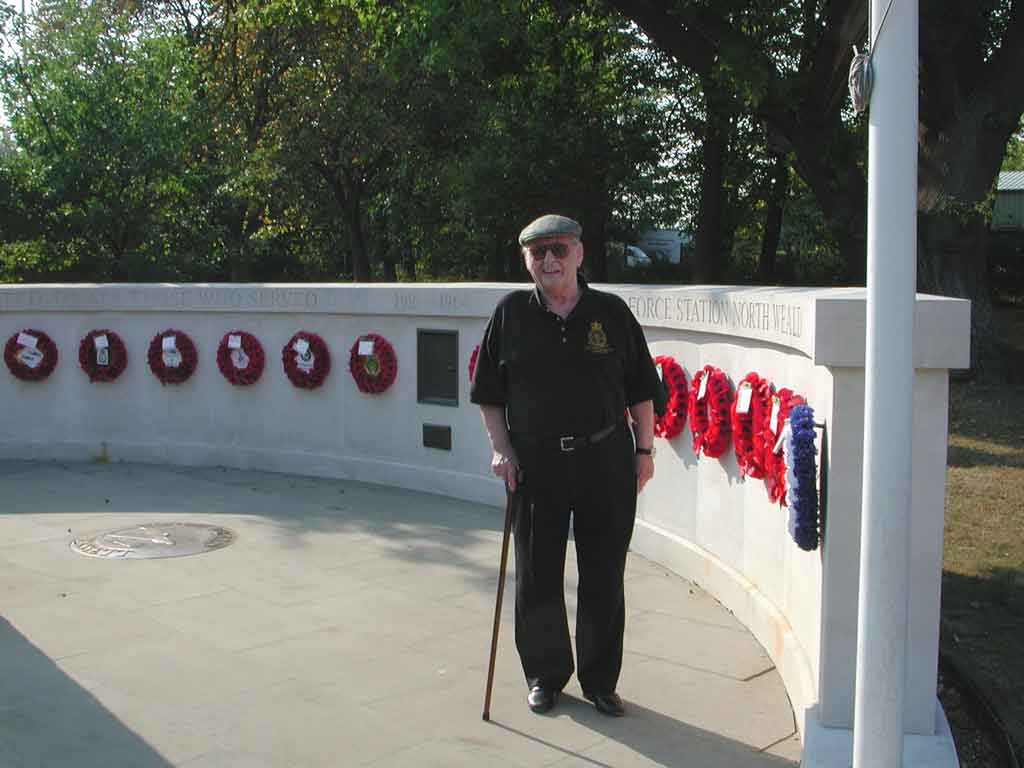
542, 699
607, 703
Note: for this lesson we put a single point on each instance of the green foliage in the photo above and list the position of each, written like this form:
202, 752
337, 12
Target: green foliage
407, 139
807, 254
274, 139
103, 116
1013, 159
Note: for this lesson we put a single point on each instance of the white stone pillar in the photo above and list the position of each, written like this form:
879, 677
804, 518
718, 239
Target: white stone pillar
889, 373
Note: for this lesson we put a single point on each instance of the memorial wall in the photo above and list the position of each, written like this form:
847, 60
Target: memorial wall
705, 518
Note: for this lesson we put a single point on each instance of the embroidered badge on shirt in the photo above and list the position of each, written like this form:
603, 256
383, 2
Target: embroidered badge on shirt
597, 342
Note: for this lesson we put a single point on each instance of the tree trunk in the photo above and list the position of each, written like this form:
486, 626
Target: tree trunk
773, 218
514, 262
595, 259
837, 182
349, 201
951, 262
708, 240
960, 151
390, 273
409, 261
357, 242
497, 267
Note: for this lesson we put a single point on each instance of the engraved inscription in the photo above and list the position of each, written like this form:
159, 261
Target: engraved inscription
191, 297
294, 298
405, 301
450, 300
783, 319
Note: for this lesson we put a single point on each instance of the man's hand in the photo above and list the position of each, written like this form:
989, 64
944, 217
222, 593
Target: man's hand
504, 462
507, 468
643, 430
644, 470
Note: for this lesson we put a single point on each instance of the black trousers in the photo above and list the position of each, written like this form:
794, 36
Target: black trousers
597, 485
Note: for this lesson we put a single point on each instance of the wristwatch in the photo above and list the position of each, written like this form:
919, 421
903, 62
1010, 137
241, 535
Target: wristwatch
646, 451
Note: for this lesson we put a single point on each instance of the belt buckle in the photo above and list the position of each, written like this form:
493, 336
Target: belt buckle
567, 444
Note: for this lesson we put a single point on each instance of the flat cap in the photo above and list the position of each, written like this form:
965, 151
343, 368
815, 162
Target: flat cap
550, 225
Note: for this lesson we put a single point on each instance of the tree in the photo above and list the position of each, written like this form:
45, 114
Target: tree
480, 117
789, 67
291, 139
543, 110
100, 111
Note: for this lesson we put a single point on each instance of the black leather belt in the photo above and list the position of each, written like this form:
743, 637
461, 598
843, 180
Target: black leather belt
569, 443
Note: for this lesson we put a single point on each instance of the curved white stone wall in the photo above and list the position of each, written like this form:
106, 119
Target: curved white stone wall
700, 518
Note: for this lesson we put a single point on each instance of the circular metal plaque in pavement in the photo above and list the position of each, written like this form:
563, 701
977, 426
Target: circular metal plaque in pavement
143, 542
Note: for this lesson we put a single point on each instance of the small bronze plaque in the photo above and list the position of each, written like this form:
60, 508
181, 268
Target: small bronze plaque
436, 436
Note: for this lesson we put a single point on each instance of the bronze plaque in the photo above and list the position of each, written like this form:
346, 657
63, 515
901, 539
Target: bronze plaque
152, 540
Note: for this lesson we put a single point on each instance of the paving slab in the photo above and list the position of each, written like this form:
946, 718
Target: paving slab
348, 624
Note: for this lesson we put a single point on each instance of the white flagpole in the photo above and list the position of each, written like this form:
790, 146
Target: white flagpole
888, 401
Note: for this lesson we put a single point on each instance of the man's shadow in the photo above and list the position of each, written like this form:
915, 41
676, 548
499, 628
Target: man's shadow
660, 739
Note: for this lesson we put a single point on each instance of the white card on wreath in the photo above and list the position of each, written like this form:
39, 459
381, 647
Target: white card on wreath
743, 400
169, 344
30, 356
103, 356
234, 342
239, 359
27, 340
774, 418
365, 347
784, 434
703, 387
101, 341
301, 346
306, 361
171, 357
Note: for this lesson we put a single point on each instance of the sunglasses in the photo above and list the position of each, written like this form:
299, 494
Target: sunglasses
538, 252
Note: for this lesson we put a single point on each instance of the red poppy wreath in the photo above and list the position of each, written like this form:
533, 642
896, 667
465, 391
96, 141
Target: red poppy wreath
306, 360
747, 418
373, 363
782, 403
30, 355
102, 355
671, 423
708, 408
240, 358
472, 362
172, 357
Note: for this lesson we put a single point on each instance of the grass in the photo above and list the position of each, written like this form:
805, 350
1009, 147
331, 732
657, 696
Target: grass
983, 570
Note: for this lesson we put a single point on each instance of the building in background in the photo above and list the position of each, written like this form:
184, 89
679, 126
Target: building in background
665, 245
1006, 238
653, 248
1008, 211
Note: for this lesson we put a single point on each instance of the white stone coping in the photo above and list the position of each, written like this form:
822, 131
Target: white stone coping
825, 324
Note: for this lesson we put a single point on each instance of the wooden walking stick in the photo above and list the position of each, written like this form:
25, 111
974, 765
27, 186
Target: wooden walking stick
510, 500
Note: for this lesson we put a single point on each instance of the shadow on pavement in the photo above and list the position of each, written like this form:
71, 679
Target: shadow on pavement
661, 739
47, 719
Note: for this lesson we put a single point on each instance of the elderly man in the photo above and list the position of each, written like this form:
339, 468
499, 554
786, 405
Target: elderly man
558, 368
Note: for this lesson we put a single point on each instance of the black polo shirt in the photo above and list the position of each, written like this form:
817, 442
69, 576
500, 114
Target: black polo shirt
564, 377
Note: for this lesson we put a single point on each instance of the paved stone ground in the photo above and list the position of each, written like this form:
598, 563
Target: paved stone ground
348, 625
